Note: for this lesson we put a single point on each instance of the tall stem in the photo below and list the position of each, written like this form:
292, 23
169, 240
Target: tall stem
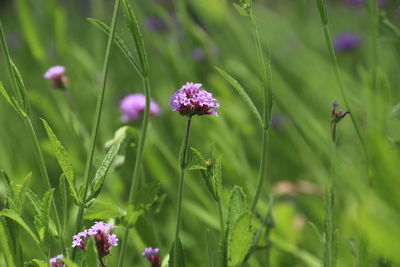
222, 232
45, 178
138, 162
97, 118
266, 76
183, 165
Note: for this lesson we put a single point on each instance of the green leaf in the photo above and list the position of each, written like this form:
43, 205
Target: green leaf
91, 253
180, 260
42, 218
241, 10
146, 196
10, 195
133, 27
132, 216
100, 176
240, 239
15, 217
218, 177
7, 244
23, 188
118, 41
63, 159
237, 205
21, 88
69, 263
239, 88
11, 100
64, 203
40, 263
321, 4
102, 210
197, 167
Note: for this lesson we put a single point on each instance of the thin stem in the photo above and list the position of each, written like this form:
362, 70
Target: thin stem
138, 162
97, 117
267, 89
45, 178
222, 232
183, 165
101, 262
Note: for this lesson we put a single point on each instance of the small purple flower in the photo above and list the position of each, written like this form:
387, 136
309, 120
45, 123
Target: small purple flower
190, 100
155, 23
56, 75
347, 42
198, 54
152, 255
337, 115
131, 106
102, 235
57, 261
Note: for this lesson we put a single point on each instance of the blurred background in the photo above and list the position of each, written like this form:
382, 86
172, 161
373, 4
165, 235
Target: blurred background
184, 44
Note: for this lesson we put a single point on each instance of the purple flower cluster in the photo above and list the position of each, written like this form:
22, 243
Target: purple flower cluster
56, 75
131, 106
347, 42
152, 255
102, 235
57, 261
190, 100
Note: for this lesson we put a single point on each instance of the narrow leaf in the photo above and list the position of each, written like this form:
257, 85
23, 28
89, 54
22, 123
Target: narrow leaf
11, 100
23, 188
180, 259
237, 205
64, 203
15, 217
118, 41
21, 88
100, 176
63, 159
40, 263
91, 254
133, 26
239, 88
7, 244
10, 195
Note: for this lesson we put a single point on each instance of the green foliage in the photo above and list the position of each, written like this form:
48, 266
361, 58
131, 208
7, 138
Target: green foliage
102, 210
11, 214
180, 259
213, 248
42, 218
240, 239
7, 244
91, 253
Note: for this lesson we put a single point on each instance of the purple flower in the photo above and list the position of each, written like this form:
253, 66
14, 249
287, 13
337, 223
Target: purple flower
57, 261
347, 42
155, 23
132, 105
152, 255
337, 115
102, 235
190, 100
198, 54
56, 75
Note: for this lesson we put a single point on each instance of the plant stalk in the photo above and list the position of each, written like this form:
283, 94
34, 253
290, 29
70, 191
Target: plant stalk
97, 117
222, 232
183, 165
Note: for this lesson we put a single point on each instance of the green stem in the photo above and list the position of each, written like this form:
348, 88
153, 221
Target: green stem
222, 232
97, 118
138, 162
267, 105
183, 165
45, 178
338, 76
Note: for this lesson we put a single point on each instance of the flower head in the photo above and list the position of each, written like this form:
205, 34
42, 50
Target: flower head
57, 261
102, 235
152, 255
56, 74
132, 105
191, 100
347, 42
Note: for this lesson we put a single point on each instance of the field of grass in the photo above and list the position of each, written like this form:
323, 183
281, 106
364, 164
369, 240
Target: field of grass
281, 177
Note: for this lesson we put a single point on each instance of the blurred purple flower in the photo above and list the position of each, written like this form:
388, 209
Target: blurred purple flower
190, 100
102, 235
57, 261
132, 105
56, 75
155, 23
198, 54
152, 255
346, 42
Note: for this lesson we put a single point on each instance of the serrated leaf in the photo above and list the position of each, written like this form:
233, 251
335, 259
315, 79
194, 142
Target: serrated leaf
23, 188
10, 195
242, 92
240, 239
15, 217
91, 253
102, 210
118, 41
180, 259
63, 159
100, 176
42, 218
7, 244
40, 263
237, 205
134, 29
